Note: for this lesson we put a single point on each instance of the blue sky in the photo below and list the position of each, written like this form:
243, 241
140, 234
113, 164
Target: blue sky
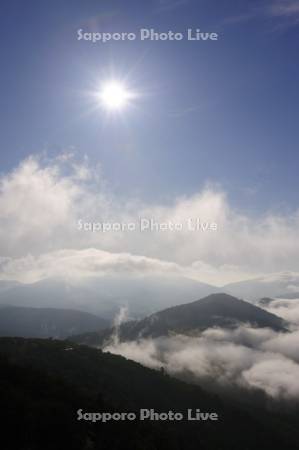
213, 134
220, 112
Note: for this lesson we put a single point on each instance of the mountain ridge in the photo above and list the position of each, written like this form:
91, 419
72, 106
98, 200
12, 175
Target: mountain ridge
54, 379
46, 322
104, 295
216, 310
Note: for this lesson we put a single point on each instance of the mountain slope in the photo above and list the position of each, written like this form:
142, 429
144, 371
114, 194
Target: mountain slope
46, 322
216, 310
43, 384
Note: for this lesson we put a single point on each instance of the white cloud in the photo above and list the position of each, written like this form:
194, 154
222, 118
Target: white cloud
285, 344
42, 201
287, 309
247, 357
88, 262
278, 377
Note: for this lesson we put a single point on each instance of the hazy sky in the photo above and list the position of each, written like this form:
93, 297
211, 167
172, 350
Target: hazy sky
222, 114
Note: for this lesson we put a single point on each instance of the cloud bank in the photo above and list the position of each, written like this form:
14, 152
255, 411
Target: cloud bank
41, 202
246, 357
287, 309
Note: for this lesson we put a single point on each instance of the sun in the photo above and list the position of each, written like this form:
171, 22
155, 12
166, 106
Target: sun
114, 95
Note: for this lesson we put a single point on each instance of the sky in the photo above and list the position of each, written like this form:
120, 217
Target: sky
213, 132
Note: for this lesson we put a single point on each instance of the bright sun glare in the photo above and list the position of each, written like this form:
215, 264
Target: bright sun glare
114, 95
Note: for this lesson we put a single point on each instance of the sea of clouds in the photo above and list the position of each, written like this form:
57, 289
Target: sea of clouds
246, 357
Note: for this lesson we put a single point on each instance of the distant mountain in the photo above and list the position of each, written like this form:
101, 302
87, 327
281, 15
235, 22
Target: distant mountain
43, 383
105, 295
216, 310
267, 286
46, 322
288, 296
5, 285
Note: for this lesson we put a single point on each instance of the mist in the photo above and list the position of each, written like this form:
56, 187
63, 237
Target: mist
246, 357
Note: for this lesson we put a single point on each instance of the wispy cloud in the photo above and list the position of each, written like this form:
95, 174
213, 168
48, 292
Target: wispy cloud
285, 12
284, 8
